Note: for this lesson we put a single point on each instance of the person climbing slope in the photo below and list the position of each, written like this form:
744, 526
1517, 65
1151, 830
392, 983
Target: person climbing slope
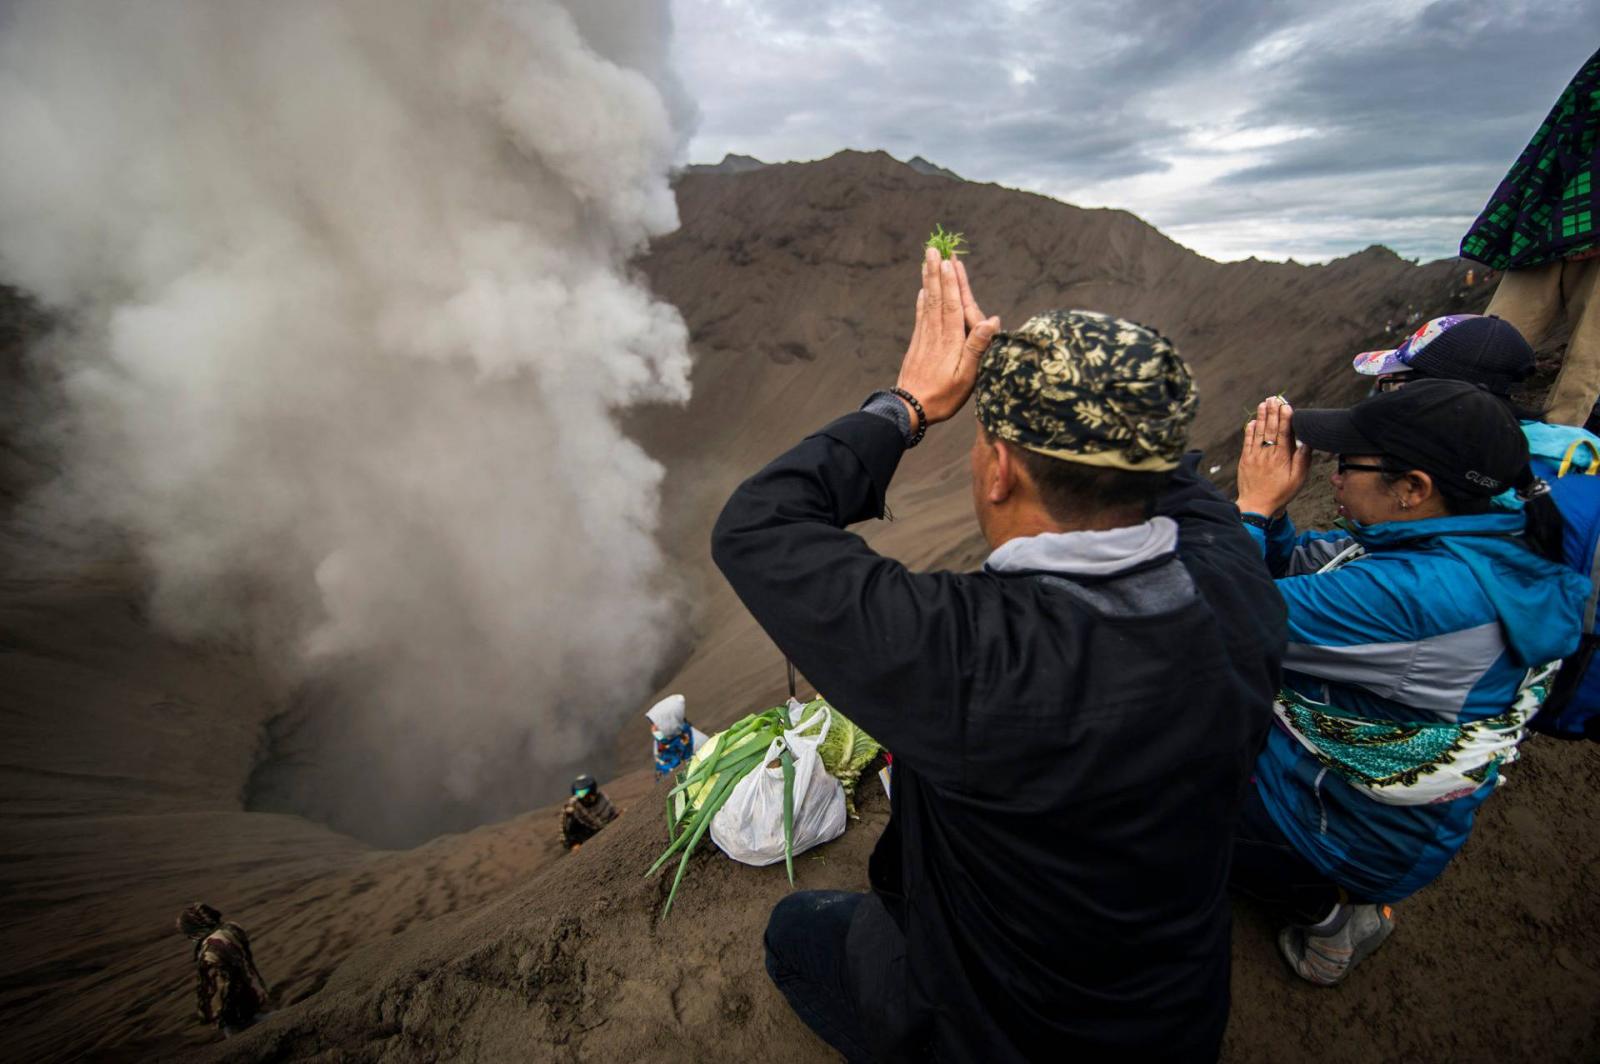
1416, 635
1073, 727
585, 813
675, 738
231, 992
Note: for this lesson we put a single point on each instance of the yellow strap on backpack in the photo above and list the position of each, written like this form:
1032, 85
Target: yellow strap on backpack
1594, 458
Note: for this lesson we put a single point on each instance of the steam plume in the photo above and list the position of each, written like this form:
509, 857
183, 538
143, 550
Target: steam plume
351, 324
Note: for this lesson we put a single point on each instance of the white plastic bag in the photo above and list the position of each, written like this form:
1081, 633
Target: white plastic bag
749, 826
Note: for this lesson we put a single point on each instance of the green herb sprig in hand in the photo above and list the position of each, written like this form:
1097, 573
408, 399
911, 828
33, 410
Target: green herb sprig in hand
1250, 411
948, 245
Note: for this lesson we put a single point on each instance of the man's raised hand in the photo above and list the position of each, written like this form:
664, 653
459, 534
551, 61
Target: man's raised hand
950, 337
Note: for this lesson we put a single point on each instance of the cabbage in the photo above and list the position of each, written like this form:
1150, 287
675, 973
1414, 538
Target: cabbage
845, 751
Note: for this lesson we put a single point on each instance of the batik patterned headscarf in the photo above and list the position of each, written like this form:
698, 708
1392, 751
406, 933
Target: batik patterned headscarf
1088, 388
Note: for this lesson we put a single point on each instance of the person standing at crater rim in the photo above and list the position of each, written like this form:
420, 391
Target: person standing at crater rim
1073, 726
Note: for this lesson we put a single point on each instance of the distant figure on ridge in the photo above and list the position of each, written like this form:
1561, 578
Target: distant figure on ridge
230, 989
675, 738
585, 813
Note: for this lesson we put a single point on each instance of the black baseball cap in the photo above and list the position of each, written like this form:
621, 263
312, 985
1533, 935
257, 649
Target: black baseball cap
1476, 348
1460, 434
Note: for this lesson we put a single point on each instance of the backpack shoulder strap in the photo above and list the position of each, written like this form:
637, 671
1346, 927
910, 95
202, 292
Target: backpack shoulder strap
1343, 558
1593, 467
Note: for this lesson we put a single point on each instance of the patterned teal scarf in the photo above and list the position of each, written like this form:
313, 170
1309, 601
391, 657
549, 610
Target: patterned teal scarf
1413, 763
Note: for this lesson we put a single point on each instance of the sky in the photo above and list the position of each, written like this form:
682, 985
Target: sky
1274, 128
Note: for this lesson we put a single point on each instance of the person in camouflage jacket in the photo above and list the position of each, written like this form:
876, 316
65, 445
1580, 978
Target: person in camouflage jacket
585, 813
230, 990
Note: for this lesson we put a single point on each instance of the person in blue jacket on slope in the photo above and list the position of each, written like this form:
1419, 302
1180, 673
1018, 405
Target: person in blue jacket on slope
1420, 635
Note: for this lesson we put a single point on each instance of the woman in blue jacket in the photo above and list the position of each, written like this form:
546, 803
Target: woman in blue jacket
1486, 351
1419, 639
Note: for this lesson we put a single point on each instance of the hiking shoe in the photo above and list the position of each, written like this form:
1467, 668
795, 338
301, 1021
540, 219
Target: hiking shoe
1324, 954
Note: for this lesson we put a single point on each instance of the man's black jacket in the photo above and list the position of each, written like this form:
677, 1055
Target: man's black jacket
1069, 755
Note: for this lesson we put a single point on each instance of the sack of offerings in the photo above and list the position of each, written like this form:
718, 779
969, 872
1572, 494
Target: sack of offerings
774, 784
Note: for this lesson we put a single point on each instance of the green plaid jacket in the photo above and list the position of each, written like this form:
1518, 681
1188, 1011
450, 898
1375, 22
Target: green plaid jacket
1546, 207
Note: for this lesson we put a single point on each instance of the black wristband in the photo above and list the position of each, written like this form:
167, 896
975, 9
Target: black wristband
1260, 522
922, 415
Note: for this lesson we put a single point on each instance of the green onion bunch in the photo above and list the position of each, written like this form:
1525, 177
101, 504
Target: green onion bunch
728, 758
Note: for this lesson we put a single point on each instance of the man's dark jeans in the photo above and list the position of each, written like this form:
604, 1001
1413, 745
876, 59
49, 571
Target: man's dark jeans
1268, 868
839, 959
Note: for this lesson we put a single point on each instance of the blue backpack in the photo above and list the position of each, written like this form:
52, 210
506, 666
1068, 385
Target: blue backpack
1572, 710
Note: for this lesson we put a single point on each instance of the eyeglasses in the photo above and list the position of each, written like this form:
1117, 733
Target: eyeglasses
1391, 382
1360, 467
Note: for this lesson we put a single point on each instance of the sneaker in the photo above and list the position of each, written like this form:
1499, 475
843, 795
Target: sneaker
1324, 954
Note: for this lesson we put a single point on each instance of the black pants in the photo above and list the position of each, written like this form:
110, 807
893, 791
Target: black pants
1268, 868
840, 960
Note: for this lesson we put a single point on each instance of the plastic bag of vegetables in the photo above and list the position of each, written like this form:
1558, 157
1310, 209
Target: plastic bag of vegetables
728, 757
787, 804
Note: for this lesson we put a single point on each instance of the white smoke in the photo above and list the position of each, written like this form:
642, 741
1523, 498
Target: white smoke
352, 322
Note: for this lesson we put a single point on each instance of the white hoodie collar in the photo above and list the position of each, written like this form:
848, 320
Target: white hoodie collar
1087, 553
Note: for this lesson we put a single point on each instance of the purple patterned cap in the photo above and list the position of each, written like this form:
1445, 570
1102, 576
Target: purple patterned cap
1399, 359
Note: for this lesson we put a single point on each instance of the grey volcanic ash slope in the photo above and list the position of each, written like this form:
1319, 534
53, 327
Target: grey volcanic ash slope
794, 284
575, 966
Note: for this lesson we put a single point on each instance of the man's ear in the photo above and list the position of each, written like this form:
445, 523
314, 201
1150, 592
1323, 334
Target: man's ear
1003, 474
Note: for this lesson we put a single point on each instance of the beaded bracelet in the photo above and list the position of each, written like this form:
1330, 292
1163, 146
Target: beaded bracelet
922, 416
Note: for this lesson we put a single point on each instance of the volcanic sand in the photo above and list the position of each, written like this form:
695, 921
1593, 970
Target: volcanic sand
128, 754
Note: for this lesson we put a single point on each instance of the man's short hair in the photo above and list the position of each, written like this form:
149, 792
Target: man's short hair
1071, 490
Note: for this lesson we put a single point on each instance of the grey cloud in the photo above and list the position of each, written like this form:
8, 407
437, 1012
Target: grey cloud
1465, 85
915, 92
1406, 130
